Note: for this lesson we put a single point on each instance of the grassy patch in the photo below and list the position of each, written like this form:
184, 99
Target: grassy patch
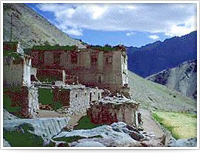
46, 98
181, 125
7, 100
22, 138
7, 105
85, 123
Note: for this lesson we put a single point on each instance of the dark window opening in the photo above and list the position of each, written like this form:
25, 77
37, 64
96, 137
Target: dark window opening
94, 60
41, 57
33, 78
99, 79
98, 96
109, 60
74, 58
56, 58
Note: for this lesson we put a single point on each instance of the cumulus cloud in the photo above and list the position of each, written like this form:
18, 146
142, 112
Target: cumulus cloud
154, 37
130, 33
171, 19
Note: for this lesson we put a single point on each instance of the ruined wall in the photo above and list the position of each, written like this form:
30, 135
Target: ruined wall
17, 72
12, 73
33, 105
27, 72
107, 113
29, 101
75, 98
80, 99
124, 65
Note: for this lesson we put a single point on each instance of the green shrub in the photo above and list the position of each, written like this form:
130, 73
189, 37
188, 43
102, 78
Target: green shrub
85, 123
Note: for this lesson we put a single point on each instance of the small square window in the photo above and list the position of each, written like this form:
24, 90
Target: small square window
109, 60
56, 58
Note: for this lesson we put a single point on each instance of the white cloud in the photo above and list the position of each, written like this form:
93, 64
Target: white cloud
153, 18
130, 33
154, 37
74, 32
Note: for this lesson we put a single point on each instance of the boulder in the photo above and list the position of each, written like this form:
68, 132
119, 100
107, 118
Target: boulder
109, 136
191, 142
45, 128
5, 143
8, 116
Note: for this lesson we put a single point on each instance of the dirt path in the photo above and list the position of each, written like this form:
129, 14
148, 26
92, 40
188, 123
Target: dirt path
49, 114
150, 125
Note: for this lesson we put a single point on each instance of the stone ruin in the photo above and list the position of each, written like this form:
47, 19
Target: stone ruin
31, 70
115, 109
65, 93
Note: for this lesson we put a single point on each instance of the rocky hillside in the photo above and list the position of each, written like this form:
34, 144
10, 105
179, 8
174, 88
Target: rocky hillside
154, 96
158, 56
30, 28
182, 78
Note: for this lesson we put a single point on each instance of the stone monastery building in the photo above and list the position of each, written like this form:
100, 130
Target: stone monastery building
94, 66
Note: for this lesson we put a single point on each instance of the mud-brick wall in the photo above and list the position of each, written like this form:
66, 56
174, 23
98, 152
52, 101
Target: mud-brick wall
12, 73
107, 113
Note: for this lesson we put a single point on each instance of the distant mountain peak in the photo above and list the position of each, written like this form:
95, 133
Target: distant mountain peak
158, 56
182, 78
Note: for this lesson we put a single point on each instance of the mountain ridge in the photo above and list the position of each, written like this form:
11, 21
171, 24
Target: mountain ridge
155, 57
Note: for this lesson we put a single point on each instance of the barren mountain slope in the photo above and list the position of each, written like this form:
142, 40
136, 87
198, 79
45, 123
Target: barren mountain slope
182, 78
154, 96
30, 28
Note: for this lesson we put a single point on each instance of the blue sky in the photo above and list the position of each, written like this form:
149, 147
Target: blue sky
129, 24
